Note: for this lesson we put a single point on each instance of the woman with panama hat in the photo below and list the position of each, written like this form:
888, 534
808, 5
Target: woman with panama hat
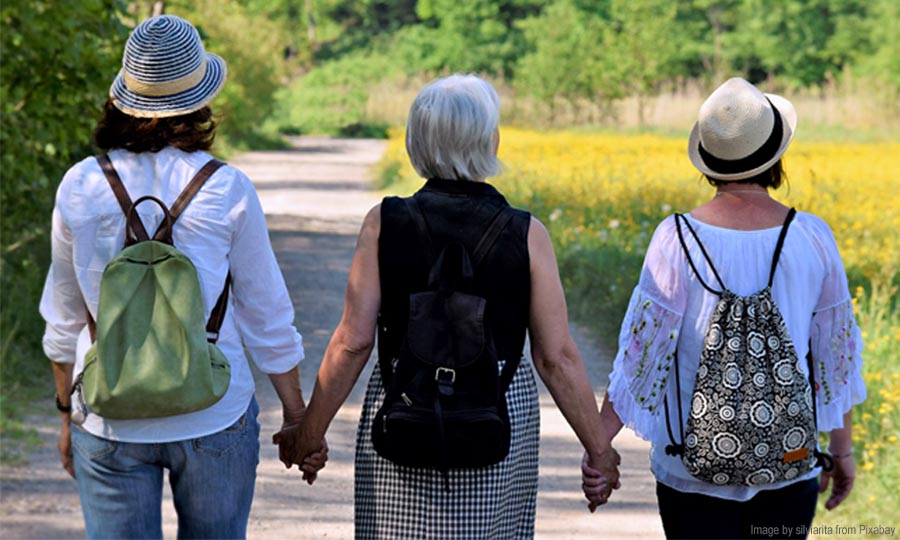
157, 128
737, 143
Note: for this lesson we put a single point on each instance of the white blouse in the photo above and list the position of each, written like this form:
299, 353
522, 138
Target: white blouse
222, 229
670, 310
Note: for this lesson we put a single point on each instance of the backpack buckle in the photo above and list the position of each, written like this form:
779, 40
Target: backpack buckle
442, 370
445, 378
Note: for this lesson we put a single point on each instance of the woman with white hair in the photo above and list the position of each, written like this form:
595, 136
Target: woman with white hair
737, 302
452, 138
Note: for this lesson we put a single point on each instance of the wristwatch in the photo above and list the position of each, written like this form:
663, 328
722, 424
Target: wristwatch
62, 408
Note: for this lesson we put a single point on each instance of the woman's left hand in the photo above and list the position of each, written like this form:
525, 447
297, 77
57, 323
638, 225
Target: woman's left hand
841, 478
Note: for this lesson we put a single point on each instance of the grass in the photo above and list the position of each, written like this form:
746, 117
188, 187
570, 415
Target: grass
876, 423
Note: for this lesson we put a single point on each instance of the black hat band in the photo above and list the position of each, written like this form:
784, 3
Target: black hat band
762, 155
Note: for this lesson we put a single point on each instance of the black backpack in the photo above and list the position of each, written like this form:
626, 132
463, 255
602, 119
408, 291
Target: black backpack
445, 397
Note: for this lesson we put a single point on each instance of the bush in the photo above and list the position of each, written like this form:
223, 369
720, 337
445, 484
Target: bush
59, 59
331, 99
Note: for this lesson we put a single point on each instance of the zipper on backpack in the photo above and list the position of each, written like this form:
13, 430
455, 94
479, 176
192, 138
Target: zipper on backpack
406, 399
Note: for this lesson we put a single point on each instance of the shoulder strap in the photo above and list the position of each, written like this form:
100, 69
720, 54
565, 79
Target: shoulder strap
421, 227
188, 193
115, 182
217, 316
499, 222
702, 250
674, 448
784, 229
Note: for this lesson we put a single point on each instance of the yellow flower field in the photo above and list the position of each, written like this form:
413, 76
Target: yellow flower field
596, 183
601, 197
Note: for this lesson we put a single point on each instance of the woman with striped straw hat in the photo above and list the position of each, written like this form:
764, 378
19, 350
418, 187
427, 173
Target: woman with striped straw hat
157, 128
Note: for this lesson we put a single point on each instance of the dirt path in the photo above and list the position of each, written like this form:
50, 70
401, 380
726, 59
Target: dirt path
315, 198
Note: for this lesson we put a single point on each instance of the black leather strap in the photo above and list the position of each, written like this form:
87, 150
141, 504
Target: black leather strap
118, 188
499, 222
415, 211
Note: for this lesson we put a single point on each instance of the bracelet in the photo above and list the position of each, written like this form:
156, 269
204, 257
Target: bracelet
842, 456
62, 408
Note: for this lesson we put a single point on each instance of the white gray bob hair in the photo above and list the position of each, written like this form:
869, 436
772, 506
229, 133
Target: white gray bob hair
451, 127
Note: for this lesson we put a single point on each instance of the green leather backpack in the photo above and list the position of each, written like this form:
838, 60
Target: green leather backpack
153, 352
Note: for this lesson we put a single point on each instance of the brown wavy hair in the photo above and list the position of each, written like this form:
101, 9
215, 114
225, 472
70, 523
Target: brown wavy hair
189, 132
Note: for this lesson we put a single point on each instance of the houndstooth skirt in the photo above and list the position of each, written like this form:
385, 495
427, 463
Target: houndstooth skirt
496, 502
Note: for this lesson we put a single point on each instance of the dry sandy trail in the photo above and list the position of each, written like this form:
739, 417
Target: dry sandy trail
315, 197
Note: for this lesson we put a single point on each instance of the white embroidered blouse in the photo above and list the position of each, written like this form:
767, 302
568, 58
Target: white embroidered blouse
669, 311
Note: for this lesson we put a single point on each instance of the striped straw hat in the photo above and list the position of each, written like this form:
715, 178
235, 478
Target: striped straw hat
166, 71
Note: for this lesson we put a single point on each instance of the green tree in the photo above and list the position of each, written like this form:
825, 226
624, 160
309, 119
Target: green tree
644, 43
58, 60
566, 60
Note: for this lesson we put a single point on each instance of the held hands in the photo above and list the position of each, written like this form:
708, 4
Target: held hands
841, 478
600, 476
296, 448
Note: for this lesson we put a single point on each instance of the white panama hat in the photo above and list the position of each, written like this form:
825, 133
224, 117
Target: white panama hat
741, 132
166, 71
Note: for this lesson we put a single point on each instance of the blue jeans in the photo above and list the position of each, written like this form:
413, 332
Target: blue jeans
212, 479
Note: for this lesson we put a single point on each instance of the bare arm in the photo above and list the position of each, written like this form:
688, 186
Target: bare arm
287, 386
556, 357
62, 376
352, 342
844, 472
611, 421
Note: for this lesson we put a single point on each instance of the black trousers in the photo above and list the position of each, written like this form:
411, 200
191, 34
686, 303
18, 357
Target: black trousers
779, 513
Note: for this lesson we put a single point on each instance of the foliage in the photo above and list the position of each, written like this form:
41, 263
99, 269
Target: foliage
59, 59
254, 47
332, 99
577, 52
58, 62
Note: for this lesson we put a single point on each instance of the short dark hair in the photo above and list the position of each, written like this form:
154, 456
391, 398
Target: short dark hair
772, 177
189, 132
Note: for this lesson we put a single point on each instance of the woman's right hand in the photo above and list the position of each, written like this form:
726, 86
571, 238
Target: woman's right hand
600, 476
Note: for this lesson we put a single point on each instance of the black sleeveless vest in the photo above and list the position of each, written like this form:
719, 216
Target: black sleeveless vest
455, 210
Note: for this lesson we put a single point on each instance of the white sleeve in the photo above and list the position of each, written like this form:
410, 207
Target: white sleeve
649, 335
263, 310
835, 340
62, 303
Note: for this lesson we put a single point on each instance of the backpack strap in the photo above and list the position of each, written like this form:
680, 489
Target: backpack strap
674, 449
118, 188
187, 195
702, 250
421, 227
217, 316
784, 229
499, 222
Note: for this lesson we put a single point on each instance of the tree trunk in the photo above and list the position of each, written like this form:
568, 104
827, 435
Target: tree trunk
311, 26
